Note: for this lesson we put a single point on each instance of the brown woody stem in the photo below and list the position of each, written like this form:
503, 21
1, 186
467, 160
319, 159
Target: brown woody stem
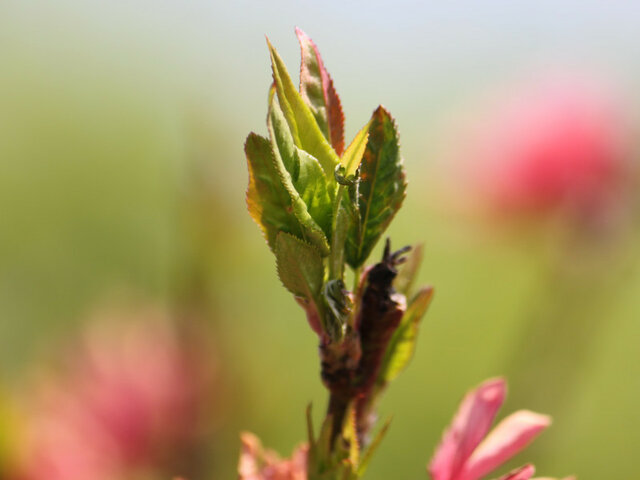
350, 366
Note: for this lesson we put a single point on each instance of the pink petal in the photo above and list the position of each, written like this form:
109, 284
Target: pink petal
522, 473
470, 424
510, 436
550, 478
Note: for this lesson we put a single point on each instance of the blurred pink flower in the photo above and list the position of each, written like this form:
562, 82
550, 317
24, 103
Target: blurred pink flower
522, 473
525, 473
468, 451
560, 144
132, 399
259, 464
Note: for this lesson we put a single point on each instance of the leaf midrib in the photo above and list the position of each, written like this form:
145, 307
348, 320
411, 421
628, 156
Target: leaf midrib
366, 216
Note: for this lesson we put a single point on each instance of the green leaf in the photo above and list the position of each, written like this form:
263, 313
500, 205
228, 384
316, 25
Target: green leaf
339, 302
300, 266
310, 430
320, 463
381, 190
340, 227
318, 460
353, 154
402, 343
316, 88
408, 271
312, 186
304, 128
368, 454
268, 200
306, 174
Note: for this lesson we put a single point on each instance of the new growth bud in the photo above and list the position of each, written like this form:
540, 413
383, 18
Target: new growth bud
322, 208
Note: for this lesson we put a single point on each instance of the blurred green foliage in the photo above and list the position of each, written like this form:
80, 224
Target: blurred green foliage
120, 177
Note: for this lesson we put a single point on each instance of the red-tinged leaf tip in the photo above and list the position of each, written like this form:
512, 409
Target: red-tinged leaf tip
326, 107
269, 44
251, 196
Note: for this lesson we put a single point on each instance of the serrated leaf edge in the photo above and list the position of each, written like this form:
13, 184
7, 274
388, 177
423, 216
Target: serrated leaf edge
333, 105
281, 77
365, 218
313, 295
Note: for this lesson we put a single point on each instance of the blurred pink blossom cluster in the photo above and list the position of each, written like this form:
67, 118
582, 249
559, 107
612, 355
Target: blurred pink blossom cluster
562, 144
256, 463
130, 403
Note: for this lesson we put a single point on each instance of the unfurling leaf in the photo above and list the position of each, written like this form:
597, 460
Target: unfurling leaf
353, 154
297, 162
300, 266
304, 129
340, 305
268, 201
316, 88
403, 342
306, 173
381, 189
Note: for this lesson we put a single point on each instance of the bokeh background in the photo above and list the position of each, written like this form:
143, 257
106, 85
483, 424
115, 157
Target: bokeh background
122, 181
